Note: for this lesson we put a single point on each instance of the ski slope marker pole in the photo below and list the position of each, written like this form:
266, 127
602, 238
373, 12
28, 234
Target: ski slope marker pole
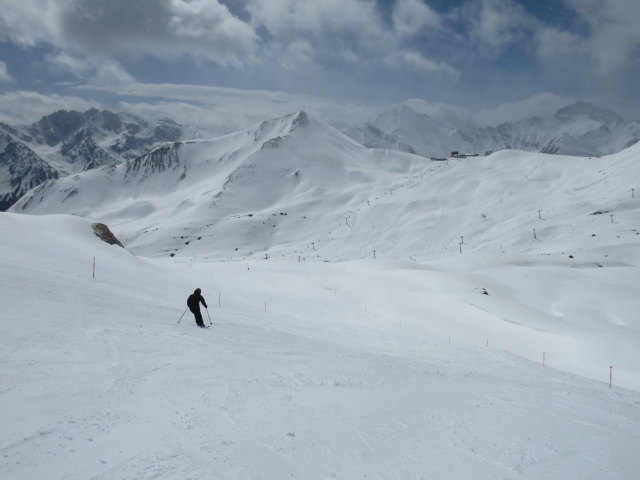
610, 375
185, 311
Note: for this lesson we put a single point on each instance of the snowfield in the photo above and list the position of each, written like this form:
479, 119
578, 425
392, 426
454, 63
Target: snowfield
375, 315
310, 370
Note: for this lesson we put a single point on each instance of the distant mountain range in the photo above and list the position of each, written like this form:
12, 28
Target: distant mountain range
296, 188
68, 142
580, 129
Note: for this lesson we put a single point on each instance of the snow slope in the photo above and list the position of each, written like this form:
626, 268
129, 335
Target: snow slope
294, 187
273, 186
552, 239
346, 370
376, 315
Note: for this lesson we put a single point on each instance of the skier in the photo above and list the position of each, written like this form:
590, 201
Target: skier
193, 302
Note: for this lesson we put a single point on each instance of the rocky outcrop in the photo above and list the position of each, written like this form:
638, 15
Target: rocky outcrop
104, 234
21, 169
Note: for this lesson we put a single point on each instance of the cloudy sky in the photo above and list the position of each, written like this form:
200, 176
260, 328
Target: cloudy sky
229, 63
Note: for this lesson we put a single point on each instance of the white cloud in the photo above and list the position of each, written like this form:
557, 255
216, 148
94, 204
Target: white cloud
556, 45
28, 22
542, 104
411, 17
111, 73
207, 95
443, 112
228, 109
299, 55
234, 113
103, 72
418, 62
309, 33
496, 24
319, 19
93, 39
22, 107
614, 37
221, 116
203, 29
184, 113
331, 31
4, 75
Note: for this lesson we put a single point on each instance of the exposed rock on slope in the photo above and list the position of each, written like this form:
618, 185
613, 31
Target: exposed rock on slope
104, 234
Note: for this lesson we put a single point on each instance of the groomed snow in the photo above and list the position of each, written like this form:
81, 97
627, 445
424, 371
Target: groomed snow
356, 369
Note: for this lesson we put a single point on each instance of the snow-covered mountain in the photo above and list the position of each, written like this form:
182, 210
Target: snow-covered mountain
296, 187
21, 169
273, 182
70, 142
73, 141
403, 128
580, 129
374, 314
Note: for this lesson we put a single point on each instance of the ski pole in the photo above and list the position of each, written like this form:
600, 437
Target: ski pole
208, 316
185, 311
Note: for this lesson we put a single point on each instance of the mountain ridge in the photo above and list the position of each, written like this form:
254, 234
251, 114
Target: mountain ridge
21, 169
69, 142
579, 129
295, 162
295, 186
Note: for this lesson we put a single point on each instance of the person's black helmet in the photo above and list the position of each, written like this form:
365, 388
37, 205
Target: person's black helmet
198, 290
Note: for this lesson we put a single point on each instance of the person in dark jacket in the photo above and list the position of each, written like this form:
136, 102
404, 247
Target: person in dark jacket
193, 302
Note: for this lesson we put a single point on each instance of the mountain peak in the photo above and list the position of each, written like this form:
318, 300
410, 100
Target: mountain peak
280, 127
301, 119
408, 110
585, 109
